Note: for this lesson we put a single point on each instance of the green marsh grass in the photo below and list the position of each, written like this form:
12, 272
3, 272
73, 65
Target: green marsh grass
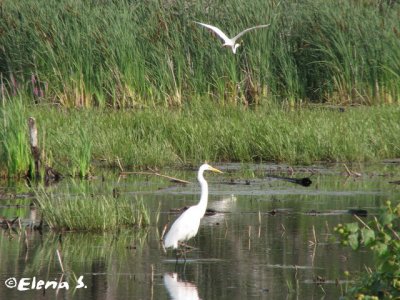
91, 212
15, 151
81, 154
205, 131
79, 141
146, 54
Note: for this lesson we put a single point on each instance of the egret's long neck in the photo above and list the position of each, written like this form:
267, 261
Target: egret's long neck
204, 193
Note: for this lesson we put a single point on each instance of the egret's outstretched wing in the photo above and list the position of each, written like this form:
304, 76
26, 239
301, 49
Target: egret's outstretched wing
247, 30
216, 30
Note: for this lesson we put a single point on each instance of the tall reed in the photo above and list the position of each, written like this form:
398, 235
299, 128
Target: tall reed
204, 131
91, 213
127, 54
81, 153
15, 151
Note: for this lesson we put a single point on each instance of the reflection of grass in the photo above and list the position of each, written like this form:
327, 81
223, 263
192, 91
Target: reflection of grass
92, 247
93, 213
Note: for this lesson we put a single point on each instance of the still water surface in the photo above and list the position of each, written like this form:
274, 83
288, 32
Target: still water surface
269, 239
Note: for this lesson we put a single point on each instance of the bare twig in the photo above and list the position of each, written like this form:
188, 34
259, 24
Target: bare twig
361, 221
351, 173
377, 224
152, 273
119, 164
395, 233
156, 174
322, 289
60, 260
315, 237
152, 282
163, 232
283, 230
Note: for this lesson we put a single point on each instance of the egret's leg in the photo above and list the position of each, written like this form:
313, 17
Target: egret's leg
176, 255
176, 264
184, 269
186, 246
184, 255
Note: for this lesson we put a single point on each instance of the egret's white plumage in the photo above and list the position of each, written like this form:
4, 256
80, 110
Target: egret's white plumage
227, 41
178, 289
187, 224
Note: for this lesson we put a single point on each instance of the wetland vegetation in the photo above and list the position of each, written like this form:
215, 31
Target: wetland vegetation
84, 140
381, 236
91, 212
130, 85
273, 239
156, 86
145, 54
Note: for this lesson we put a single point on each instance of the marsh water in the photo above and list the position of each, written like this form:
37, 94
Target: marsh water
266, 238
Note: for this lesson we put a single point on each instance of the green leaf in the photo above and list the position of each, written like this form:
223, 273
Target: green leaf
386, 218
381, 249
352, 227
386, 237
368, 236
353, 241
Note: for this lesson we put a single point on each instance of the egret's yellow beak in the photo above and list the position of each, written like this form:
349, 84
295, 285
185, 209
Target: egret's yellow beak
215, 170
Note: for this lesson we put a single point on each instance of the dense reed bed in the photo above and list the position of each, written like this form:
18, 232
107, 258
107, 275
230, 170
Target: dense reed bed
204, 131
181, 98
91, 212
150, 53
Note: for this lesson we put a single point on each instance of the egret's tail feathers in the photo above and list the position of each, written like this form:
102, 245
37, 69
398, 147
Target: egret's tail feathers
170, 243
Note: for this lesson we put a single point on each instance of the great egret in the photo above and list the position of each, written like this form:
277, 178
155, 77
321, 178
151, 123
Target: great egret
227, 41
187, 224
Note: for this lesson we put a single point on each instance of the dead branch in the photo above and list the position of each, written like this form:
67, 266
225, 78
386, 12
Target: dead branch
157, 174
351, 173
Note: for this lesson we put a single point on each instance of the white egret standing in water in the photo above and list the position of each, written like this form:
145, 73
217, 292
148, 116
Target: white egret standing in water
187, 224
227, 41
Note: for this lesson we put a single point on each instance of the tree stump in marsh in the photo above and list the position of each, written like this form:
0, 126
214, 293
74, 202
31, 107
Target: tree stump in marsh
33, 140
50, 175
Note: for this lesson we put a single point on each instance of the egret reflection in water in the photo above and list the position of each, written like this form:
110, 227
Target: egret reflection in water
178, 289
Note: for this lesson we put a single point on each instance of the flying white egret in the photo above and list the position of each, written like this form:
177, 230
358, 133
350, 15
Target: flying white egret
227, 41
187, 224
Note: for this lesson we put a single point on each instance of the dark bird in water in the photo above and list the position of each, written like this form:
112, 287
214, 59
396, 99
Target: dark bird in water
302, 181
395, 182
358, 212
